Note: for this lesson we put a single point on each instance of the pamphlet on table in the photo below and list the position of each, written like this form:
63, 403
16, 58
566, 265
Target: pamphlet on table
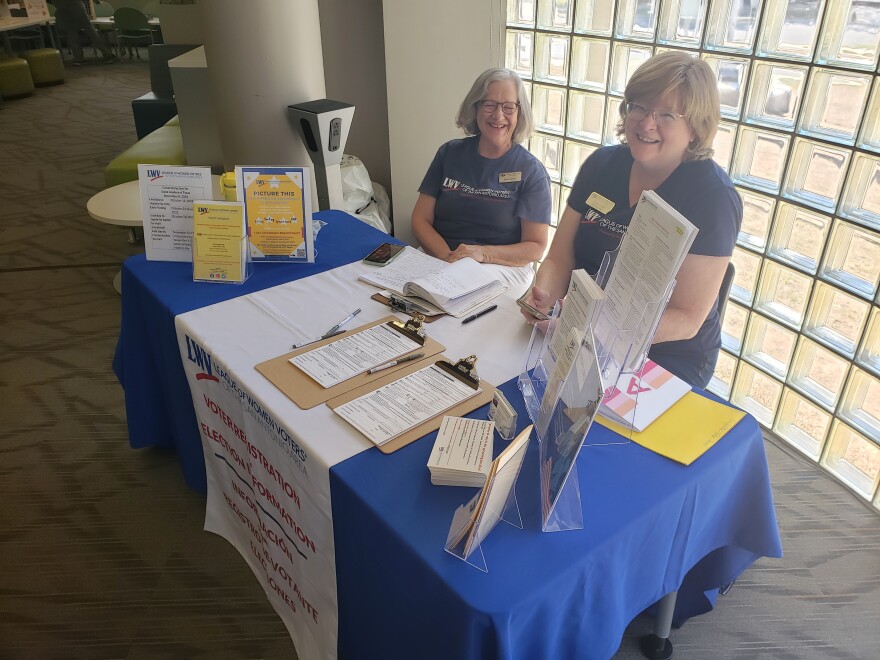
278, 211
640, 398
652, 250
437, 286
219, 245
167, 196
462, 453
403, 404
472, 522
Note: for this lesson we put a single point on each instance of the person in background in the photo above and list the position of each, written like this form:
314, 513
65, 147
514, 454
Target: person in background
668, 119
71, 16
485, 196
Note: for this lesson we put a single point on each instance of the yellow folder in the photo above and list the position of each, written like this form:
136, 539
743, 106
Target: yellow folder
686, 431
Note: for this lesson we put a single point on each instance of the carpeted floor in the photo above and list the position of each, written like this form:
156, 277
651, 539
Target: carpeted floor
102, 554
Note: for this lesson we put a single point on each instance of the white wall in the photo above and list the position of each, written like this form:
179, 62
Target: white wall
354, 72
433, 52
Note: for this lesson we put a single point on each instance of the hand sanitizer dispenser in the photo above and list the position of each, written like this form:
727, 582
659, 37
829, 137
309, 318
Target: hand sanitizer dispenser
323, 126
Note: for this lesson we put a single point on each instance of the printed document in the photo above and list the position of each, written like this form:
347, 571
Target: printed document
655, 244
462, 453
167, 196
403, 404
345, 358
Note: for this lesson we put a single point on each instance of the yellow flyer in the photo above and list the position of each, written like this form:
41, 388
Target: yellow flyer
278, 212
219, 242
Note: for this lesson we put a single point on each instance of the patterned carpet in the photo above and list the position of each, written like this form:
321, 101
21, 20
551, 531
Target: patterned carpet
102, 554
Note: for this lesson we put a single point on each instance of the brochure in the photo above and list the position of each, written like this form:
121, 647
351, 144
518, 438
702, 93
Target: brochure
219, 247
640, 398
167, 196
278, 212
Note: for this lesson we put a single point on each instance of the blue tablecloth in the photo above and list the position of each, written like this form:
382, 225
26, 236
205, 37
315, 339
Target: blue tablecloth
147, 361
651, 526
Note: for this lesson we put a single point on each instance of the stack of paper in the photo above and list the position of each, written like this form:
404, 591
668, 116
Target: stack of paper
457, 289
638, 399
652, 250
462, 454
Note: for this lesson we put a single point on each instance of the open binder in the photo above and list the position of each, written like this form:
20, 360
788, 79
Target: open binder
481, 398
306, 393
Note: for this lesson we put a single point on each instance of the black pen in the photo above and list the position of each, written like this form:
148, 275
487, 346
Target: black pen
479, 314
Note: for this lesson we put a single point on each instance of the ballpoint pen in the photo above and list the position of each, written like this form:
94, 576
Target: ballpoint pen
312, 341
393, 363
479, 314
332, 331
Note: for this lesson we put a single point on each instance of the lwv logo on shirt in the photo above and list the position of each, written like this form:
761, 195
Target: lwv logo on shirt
452, 184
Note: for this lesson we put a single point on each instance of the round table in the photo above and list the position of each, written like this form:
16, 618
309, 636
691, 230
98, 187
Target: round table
121, 206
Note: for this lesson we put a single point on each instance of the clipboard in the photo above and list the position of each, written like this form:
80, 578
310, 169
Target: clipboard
385, 300
429, 425
306, 393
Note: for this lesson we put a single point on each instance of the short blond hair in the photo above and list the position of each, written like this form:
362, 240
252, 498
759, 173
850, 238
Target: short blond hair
693, 81
466, 119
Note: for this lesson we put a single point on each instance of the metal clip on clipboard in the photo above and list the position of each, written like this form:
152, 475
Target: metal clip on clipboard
412, 328
464, 370
406, 306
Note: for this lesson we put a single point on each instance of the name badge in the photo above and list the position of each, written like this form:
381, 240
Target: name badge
509, 177
600, 203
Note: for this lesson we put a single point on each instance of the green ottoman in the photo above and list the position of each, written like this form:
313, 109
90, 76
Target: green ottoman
15, 78
47, 67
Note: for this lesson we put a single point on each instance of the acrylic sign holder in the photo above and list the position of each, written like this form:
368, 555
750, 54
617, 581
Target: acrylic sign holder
563, 405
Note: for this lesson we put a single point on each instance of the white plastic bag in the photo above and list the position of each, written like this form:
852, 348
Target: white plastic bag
361, 197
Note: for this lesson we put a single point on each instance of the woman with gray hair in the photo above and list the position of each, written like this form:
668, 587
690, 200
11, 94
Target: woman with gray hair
485, 196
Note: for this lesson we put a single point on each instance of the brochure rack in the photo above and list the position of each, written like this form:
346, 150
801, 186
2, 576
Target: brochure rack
563, 405
225, 274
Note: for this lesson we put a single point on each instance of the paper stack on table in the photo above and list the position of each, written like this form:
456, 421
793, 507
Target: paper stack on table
638, 399
462, 454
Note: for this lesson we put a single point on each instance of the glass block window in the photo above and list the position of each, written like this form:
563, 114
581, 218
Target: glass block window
800, 137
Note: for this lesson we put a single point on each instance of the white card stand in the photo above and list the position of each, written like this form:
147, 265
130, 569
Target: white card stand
563, 415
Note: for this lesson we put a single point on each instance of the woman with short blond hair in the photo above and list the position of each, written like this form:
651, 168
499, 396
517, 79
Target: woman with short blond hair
668, 119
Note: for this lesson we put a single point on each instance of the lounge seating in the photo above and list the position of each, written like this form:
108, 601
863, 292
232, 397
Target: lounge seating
164, 146
46, 65
15, 78
156, 107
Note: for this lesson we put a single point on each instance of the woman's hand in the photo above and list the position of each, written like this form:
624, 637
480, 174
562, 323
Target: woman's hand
540, 300
475, 252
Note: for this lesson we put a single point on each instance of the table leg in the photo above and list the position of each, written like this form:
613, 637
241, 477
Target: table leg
657, 645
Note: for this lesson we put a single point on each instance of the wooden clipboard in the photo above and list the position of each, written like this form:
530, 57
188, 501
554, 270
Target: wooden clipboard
307, 393
481, 399
385, 300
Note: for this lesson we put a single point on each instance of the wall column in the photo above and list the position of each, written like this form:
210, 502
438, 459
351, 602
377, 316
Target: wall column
262, 56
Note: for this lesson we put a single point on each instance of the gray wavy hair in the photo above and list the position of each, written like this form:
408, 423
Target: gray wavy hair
466, 119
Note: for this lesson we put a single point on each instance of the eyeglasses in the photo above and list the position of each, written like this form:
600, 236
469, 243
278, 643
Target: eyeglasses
664, 118
491, 106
